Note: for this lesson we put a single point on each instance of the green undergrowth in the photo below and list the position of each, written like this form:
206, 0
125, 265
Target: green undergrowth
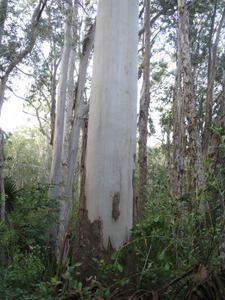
25, 260
173, 254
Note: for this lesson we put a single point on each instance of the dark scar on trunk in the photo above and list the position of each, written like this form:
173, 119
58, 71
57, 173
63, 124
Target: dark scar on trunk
115, 206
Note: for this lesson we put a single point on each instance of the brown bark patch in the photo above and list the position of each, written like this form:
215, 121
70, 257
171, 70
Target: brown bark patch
116, 206
88, 243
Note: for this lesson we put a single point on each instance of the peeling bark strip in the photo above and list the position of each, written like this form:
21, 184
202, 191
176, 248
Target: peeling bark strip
116, 206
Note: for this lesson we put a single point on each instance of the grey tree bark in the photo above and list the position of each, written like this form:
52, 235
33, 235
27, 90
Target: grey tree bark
70, 148
189, 100
178, 131
54, 190
143, 116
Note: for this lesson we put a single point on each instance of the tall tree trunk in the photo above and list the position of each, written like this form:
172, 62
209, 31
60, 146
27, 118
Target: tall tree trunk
189, 100
178, 132
168, 147
70, 87
143, 117
210, 86
56, 165
105, 218
66, 130
54, 68
2, 191
70, 148
60, 109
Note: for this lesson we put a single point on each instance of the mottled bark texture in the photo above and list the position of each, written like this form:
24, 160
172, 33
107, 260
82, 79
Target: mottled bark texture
143, 116
178, 132
189, 101
111, 133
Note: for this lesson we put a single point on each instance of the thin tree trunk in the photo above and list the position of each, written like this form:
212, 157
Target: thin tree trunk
210, 86
168, 147
54, 190
105, 219
65, 159
189, 99
178, 132
54, 68
143, 117
2, 191
2, 91
70, 148
70, 87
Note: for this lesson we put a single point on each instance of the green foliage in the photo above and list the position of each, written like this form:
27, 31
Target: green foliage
174, 252
27, 158
25, 249
10, 193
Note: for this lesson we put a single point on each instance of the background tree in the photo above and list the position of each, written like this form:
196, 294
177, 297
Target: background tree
14, 50
143, 115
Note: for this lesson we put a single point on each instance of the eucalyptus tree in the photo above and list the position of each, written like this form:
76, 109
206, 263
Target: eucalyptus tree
189, 99
43, 64
179, 132
106, 210
213, 45
156, 22
70, 108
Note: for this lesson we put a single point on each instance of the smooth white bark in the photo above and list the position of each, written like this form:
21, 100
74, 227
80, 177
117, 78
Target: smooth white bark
112, 120
71, 136
60, 108
70, 88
